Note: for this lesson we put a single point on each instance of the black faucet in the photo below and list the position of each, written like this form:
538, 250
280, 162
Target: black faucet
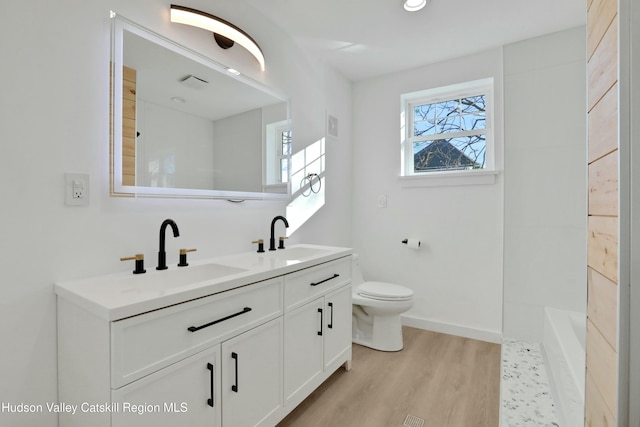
272, 240
162, 255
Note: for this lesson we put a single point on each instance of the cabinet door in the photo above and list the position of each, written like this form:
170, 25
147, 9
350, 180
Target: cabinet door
186, 393
337, 339
303, 339
252, 376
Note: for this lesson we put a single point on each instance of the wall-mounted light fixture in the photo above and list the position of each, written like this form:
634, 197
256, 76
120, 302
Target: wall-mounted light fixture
414, 5
224, 32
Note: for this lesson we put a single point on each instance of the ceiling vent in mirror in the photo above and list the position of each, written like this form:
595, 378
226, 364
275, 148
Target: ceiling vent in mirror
225, 33
194, 82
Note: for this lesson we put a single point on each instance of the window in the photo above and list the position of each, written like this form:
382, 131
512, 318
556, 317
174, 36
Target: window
277, 152
447, 129
283, 154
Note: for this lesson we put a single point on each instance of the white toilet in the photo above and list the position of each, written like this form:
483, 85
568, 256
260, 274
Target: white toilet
376, 311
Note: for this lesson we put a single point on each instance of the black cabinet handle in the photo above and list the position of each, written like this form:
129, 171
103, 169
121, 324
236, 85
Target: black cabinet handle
210, 368
321, 321
325, 280
235, 357
197, 328
330, 325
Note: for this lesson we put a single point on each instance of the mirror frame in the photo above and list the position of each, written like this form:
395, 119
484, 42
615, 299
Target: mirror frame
117, 188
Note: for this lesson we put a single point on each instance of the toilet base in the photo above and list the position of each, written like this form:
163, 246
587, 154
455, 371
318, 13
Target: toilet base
384, 334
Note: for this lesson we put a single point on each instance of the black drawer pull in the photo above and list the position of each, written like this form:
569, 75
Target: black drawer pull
325, 280
321, 321
197, 328
330, 325
234, 356
210, 401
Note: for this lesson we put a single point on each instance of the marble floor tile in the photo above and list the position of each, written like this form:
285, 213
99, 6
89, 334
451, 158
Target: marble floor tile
525, 392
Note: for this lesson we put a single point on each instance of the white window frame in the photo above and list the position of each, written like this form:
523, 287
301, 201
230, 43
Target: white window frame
273, 154
408, 176
280, 156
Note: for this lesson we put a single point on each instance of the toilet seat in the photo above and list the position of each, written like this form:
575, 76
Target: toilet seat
384, 291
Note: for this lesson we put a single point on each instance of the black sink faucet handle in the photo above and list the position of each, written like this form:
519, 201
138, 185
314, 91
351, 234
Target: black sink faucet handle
260, 243
139, 258
183, 257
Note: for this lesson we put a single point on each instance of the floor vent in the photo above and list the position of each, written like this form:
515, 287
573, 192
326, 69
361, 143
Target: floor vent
413, 421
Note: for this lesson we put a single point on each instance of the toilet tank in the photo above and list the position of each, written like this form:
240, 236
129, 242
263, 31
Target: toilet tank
356, 274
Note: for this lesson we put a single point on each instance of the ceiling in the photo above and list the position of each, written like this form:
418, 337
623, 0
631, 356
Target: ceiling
367, 38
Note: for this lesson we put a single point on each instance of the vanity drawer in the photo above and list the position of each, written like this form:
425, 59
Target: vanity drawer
305, 285
143, 344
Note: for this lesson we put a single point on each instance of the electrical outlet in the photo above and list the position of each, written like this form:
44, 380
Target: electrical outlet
76, 189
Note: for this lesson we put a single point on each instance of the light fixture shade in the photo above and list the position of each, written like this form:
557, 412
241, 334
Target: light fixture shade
414, 5
196, 18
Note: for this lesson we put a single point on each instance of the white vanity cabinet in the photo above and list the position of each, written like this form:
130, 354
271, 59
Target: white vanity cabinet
186, 393
252, 377
248, 381
146, 343
167, 367
244, 356
337, 334
303, 352
318, 332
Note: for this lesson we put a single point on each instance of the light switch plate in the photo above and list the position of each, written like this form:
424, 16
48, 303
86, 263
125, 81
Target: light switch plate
332, 126
76, 189
382, 201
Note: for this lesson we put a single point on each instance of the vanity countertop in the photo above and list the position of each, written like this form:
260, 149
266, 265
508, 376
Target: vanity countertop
117, 296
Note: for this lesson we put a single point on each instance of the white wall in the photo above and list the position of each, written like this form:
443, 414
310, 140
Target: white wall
545, 180
457, 275
237, 160
191, 158
332, 224
54, 119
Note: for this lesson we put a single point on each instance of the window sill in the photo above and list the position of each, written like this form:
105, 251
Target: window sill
440, 179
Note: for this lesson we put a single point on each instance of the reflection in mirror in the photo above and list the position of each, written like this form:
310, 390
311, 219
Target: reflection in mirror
183, 125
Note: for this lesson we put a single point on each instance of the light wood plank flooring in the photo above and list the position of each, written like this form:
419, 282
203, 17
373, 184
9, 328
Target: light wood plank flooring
443, 379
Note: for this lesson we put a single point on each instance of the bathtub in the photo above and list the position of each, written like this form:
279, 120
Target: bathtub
563, 346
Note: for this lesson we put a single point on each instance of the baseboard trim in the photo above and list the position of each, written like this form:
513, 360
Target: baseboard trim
452, 329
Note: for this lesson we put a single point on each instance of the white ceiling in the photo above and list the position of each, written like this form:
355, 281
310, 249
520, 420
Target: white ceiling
367, 38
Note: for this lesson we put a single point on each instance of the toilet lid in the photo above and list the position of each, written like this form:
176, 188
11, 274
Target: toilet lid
384, 291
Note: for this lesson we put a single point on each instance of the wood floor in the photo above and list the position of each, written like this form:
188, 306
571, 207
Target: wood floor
443, 379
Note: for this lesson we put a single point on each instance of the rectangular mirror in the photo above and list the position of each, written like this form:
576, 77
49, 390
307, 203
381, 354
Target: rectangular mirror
185, 126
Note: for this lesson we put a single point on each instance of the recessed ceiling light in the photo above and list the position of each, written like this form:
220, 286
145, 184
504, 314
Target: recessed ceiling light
414, 5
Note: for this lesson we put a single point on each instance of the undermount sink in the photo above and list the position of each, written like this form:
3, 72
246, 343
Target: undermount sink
181, 276
124, 294
201, 272
295, 253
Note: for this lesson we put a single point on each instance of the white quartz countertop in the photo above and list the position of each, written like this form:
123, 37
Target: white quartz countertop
117, 296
